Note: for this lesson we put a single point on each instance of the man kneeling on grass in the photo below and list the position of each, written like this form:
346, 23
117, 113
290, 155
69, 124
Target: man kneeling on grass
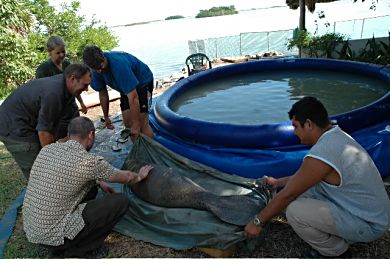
336, 197
60, 209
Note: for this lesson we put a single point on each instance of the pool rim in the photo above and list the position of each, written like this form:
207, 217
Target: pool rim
263, 136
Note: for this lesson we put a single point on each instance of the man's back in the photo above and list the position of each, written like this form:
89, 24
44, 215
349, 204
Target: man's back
35, 106
60, 178
125, 72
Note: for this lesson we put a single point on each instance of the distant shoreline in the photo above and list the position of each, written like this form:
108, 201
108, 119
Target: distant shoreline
147, 22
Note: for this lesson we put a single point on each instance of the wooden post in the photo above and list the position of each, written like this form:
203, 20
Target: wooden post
302, 15
302, 20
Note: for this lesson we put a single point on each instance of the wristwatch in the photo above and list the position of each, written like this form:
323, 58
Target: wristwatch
258, 222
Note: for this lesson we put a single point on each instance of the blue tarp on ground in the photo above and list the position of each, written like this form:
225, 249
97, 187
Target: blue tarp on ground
8, 221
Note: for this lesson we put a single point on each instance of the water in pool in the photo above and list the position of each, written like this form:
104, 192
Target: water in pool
263, 98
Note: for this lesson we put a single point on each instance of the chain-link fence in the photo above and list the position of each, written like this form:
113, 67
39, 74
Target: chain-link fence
249, 43
252, 43
364, 28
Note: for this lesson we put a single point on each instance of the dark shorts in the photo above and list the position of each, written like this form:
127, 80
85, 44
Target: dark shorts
142, 96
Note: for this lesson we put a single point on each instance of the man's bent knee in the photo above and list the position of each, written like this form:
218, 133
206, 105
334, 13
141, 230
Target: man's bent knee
119, 203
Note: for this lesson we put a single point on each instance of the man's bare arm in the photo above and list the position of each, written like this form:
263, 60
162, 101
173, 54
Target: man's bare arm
45, 138
128, 177
105, 103
310, 173
82, 104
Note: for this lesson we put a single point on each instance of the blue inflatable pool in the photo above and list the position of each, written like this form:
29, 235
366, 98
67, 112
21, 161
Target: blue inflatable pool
270, 149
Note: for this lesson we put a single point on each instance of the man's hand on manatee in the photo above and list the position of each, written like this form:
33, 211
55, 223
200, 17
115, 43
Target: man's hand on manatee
134, 178
144, 171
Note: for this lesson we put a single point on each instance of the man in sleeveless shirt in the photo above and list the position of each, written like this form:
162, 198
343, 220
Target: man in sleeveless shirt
337, 196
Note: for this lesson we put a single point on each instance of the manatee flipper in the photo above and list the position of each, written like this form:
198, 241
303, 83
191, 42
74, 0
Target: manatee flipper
235, 209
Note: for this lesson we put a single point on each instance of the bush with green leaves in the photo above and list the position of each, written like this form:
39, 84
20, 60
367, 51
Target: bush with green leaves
26, 25
16, 58
377, 52
317, 46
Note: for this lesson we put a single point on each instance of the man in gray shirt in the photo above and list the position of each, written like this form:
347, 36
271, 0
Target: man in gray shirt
337, 196
31, 114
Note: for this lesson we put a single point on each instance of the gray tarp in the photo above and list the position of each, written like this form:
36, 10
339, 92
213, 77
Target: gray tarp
184, 228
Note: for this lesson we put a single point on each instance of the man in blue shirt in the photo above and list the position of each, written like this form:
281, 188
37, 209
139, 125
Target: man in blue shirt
129, 76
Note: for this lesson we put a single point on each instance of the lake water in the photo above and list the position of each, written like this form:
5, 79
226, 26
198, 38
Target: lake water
263, 98
163, 45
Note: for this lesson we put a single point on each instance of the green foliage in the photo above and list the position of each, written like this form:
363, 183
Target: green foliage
386, 52
15, 52
373, 52
14, 16
74, 29
301, 39
346, 52
15, 61
173, 17
318, 45
323, 46
25, 26
217, 11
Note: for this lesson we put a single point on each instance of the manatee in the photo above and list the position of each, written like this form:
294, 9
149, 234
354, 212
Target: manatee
166, 188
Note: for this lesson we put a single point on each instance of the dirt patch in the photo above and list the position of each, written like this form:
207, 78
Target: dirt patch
95, 112
279, 241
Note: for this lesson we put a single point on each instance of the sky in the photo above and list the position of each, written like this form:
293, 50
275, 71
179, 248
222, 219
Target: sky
121, 12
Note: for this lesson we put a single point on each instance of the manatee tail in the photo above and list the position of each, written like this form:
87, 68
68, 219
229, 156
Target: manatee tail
235, 209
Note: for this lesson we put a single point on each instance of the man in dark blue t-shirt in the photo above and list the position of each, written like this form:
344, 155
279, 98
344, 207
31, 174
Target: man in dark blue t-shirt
131, 78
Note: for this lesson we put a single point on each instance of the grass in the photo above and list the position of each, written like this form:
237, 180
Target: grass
11, 179
12, 182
